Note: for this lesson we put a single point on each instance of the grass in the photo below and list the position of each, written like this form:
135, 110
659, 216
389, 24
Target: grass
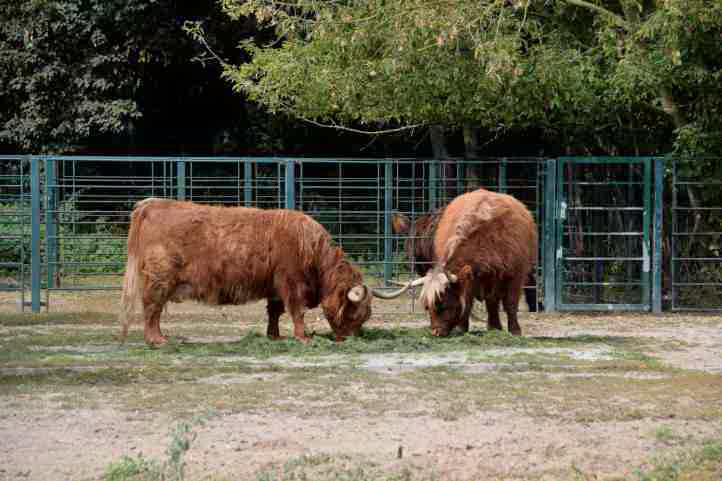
703, 464
538, 376
74, 361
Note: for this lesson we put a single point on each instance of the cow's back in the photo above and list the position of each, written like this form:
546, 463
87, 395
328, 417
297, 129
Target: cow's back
225, 254
493, 231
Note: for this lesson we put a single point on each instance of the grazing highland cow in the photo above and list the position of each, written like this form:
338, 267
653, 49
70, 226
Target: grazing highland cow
484, 246
233, 255
420, 248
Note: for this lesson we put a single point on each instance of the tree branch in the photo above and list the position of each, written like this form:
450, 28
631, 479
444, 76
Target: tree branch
619, 20
359, 131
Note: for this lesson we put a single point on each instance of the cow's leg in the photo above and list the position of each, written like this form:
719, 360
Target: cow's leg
492, 308
155, 296
151, 332
299, 327
511, 305
292, 291
275, 309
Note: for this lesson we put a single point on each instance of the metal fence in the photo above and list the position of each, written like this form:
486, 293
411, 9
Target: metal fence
601, 219
15, 225
694, 280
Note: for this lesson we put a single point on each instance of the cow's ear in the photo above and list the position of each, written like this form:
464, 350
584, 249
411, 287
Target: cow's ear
400, 223
357, 293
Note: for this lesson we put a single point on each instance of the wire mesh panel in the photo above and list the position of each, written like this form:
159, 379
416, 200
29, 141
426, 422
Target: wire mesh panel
424, 187
87, 205
603, 233
14, 228
251, 182
696, 235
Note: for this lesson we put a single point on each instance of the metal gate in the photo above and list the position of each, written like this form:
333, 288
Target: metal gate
15, 226
603, 234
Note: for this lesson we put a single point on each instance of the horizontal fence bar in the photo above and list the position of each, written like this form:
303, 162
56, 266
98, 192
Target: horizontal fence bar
602, 307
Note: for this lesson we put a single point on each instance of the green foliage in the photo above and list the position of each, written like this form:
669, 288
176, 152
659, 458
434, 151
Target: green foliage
100, 250
704, 464
138, 468
133, 468
64, 74
578, 71
15, 238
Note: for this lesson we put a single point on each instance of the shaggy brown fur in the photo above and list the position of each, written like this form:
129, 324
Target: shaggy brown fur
420, 247
233, 255
484, 246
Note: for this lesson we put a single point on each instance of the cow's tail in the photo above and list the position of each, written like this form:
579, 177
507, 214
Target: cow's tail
133, 279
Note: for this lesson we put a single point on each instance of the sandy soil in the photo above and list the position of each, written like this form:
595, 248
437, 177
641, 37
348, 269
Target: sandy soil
41, 441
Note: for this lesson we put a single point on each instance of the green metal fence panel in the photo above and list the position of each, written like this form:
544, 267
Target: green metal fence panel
51, 228
603, 233
15, 229
549, 238
597, 217
35, 237
658, 235
441, 181
695, 241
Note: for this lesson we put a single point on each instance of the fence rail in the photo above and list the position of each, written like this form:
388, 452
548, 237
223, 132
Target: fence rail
607, 237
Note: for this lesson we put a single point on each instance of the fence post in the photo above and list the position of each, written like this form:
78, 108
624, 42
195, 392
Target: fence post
181, 178
647, 253
433, 184
502, 175
460, 176
290, 186
247, 180
35, 239
658, 231
388, 205
549, 235
51, 230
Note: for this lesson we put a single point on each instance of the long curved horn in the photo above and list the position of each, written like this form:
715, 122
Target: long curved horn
397, 293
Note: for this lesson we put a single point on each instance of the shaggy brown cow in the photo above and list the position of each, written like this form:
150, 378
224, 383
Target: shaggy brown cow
420, 246
484, 247
233, 255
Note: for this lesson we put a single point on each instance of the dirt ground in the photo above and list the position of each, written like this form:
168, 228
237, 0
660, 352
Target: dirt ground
394, 426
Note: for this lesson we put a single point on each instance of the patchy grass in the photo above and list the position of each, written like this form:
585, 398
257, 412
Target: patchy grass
56, 318
704, 464
581, 377
74, 361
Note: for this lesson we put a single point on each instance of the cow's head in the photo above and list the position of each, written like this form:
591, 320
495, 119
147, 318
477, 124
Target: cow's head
347, 310
448, 298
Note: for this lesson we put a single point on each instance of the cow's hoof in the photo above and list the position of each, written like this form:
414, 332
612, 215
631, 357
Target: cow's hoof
303, 339
156, 341
277, 338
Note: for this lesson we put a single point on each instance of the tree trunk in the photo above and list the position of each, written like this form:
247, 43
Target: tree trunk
471, 141
447, 171
471, 151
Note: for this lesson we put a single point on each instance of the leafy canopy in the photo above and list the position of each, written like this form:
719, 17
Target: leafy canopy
578, 69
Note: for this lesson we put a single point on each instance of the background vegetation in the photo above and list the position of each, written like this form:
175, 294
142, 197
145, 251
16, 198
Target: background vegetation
516, 77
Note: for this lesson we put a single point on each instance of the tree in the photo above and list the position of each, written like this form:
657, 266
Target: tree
112, 76
582, 71
64, 71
